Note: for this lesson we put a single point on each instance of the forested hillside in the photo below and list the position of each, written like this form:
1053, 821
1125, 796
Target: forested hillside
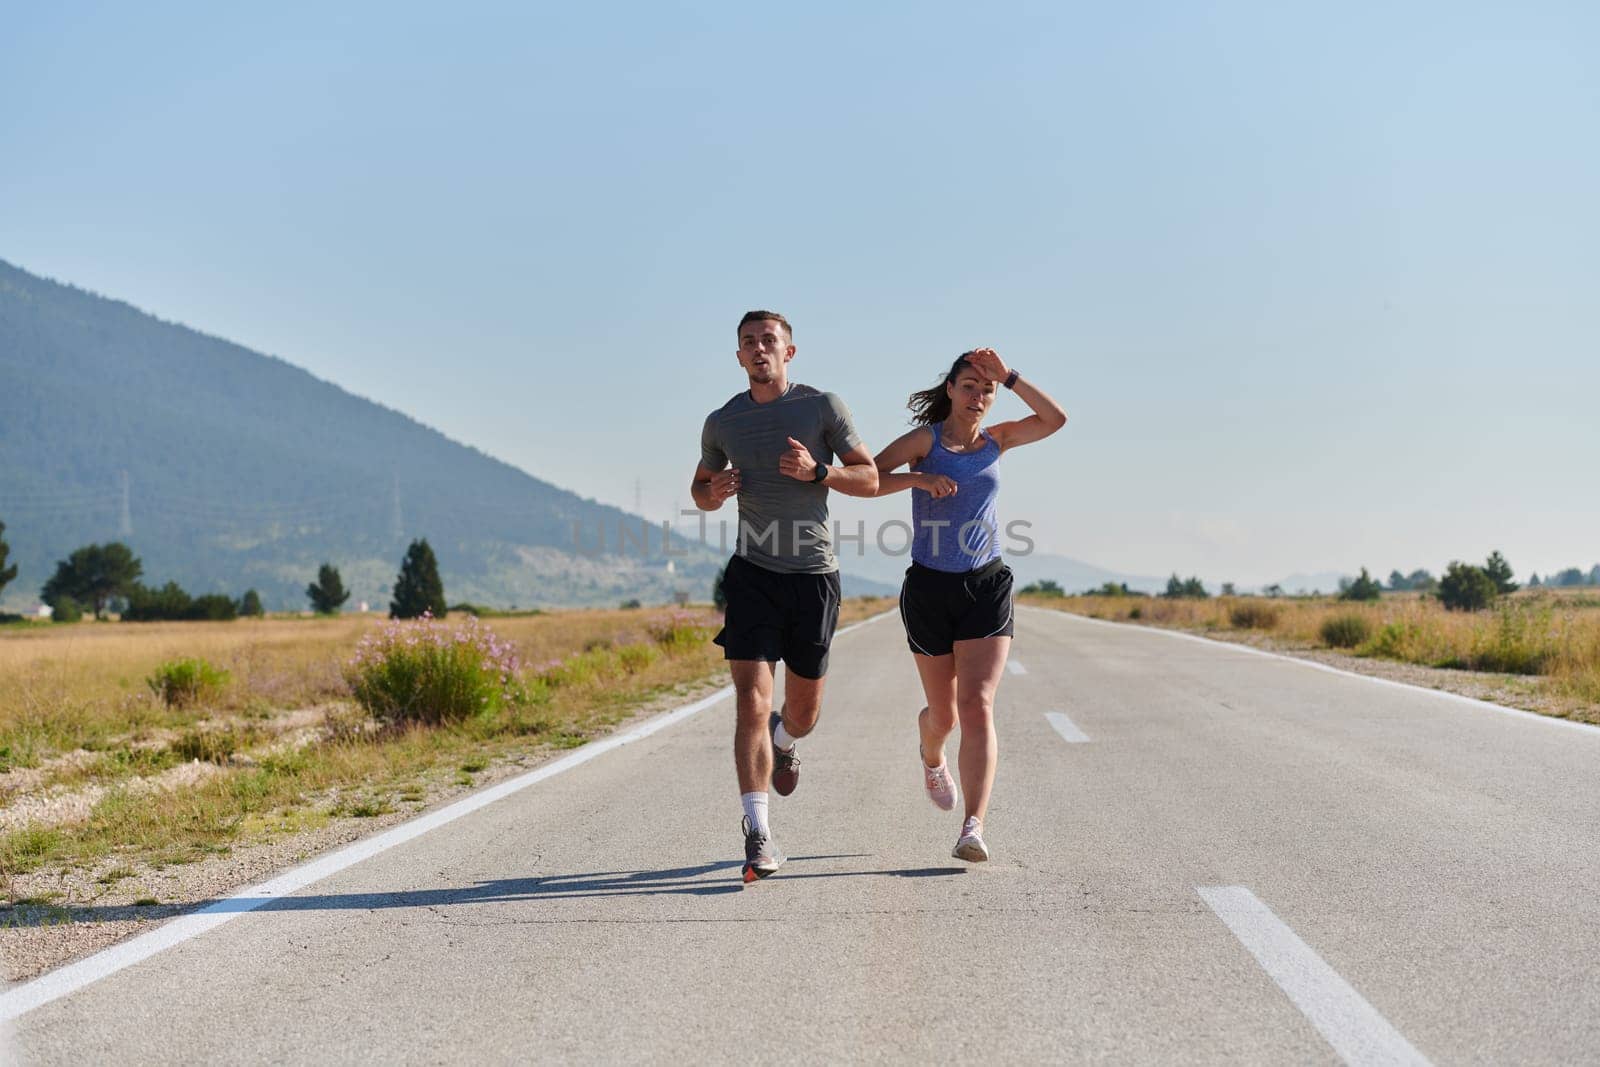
226, 469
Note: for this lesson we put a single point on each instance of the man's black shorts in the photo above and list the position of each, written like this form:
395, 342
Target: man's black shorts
773, 616
940, 608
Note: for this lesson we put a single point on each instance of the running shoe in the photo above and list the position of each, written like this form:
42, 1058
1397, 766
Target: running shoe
760, 857
941, 786
970, 846
785, 765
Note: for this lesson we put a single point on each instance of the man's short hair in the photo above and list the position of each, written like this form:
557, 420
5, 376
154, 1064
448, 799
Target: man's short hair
762, 316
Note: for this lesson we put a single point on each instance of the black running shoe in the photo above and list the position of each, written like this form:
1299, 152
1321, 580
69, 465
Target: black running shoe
760, 857
785, 765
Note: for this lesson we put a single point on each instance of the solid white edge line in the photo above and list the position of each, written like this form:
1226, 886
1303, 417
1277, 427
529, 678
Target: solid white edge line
55, 984
1066, 727
1355, 1029
1589, 728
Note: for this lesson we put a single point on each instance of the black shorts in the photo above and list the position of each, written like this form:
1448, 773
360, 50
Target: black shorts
773, 616
940, 608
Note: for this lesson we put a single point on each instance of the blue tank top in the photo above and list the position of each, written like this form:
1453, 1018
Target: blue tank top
960, 532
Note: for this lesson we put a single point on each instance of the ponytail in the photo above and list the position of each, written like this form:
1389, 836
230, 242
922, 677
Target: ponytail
932, 405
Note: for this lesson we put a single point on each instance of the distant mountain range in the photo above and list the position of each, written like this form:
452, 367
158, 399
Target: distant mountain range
225, 469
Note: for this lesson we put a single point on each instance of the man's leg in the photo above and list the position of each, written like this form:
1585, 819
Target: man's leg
752, 748
752, 759
802, 703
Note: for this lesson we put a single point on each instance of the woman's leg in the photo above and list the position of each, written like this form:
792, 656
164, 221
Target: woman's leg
977, 675
936, 721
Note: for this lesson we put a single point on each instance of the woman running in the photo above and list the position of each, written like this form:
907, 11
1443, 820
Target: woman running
956, 600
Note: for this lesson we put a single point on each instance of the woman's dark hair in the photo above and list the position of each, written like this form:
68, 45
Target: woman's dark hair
932, 405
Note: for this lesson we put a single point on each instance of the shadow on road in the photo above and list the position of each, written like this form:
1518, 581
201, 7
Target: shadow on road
706, 879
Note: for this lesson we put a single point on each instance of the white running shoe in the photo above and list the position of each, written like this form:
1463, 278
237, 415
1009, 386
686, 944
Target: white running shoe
970, 846
940, 785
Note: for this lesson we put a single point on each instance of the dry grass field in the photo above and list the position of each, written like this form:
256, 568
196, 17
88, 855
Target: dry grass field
1550, 638
100, 773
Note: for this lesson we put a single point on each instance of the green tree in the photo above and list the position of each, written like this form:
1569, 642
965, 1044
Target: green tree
719, 599
1190, 588
1466, 588
327, 593
1363, 588
1422, 581
94, 574
157, 605
1044, 587
6, 573
250, 603
418, 587
1499, 571
1397, 582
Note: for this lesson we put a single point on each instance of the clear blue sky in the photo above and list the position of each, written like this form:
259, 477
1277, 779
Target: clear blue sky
1317, 285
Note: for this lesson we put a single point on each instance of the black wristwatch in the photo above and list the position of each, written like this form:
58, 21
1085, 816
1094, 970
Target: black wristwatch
822, 472
1011, 380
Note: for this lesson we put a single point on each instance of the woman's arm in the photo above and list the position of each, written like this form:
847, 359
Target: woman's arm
1048, 416
909, 448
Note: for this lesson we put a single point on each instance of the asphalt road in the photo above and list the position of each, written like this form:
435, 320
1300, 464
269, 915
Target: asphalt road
1200, 856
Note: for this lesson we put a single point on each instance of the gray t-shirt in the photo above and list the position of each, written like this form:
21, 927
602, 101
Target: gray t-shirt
783, 522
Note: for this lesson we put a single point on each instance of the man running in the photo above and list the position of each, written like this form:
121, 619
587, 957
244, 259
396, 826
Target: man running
774, 446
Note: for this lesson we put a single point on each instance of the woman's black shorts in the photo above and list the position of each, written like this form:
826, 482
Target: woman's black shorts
773, 616
940, 608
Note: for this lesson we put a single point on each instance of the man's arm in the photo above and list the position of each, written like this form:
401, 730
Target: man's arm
854, 475
711, 488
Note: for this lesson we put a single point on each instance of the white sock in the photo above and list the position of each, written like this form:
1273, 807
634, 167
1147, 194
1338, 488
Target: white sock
755, 809
781, 738
973, 825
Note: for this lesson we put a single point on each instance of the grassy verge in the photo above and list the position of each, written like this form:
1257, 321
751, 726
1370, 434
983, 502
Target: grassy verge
1551, 640
159, 784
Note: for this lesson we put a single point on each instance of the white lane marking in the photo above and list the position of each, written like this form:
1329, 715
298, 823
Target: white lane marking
1015, 668
1065, 727
19, 1000
1341, 1015
1589, 728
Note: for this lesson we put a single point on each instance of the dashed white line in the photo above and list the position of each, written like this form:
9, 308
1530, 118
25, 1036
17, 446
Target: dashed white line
1066, 727
1015, 668
1341, 1015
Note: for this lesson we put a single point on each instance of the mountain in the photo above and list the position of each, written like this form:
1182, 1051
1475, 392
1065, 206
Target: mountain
226, 469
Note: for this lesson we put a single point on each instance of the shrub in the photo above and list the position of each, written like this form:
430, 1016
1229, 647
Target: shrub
1363, 588
184, 682
66, 610
424, 671
719, 599
1253, 615
1044, 587
170, 602
1466, 588
1516, 645
631, 604
679, 631
1345, 631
